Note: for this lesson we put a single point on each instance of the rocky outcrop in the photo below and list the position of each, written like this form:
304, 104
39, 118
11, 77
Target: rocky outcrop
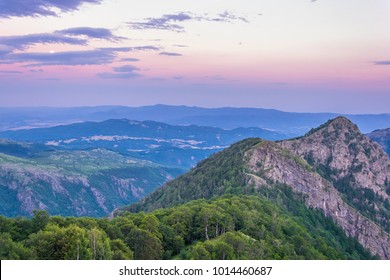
270, 163
340, 150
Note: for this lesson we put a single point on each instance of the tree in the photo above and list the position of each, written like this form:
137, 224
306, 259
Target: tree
120, 251
39, 220
145, 245
99, 244
222, 251
10, 250
56, 243
151, 224
76, 243
199, 252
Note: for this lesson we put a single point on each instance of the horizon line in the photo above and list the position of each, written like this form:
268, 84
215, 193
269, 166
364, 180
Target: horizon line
187, 106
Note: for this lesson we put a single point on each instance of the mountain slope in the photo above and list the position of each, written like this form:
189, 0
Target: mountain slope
357, 166
279, 165
382, 136
76, 183
222, 173
349, 188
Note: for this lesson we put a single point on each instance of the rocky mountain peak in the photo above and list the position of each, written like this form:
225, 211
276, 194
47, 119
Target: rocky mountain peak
354, 164
334, 128
343, 121
340, 147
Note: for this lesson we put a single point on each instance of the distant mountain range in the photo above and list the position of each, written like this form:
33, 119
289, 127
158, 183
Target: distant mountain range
89, 169
179, 146
382, 136
334, 169
291, 124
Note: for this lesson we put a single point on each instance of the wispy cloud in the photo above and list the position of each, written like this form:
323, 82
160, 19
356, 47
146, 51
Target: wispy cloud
67, 36
10, 72
173, 22
4, 49
108, 75
146, 48
122, 72
170, 54
382, 62
90, 32
72, 36
180, 46
125, 68
228, 17
166, 22
90, 57
22, 8
130, 59
24, 41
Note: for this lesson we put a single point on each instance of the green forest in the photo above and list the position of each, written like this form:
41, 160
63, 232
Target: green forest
227, 227
209, 213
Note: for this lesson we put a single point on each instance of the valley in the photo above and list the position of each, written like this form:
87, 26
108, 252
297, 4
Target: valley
92, 168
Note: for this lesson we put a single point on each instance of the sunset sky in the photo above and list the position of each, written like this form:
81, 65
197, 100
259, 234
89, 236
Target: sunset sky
292, 55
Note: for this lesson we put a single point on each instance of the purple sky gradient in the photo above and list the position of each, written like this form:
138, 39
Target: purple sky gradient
304, 56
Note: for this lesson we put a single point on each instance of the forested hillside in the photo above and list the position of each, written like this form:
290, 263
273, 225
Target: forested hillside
228, 227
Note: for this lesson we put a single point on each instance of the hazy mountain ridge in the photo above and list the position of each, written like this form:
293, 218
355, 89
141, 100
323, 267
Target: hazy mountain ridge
382, 136
292, 124
181, 146
261, 167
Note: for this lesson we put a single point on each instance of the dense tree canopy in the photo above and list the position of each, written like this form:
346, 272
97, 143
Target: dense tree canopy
228, 227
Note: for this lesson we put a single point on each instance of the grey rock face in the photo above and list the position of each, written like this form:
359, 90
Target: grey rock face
344, 150
346, 155
279, 165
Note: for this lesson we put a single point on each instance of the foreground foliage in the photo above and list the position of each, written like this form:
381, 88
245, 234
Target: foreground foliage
228, 227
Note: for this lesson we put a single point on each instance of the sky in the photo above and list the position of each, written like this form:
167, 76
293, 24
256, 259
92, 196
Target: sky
291, 55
